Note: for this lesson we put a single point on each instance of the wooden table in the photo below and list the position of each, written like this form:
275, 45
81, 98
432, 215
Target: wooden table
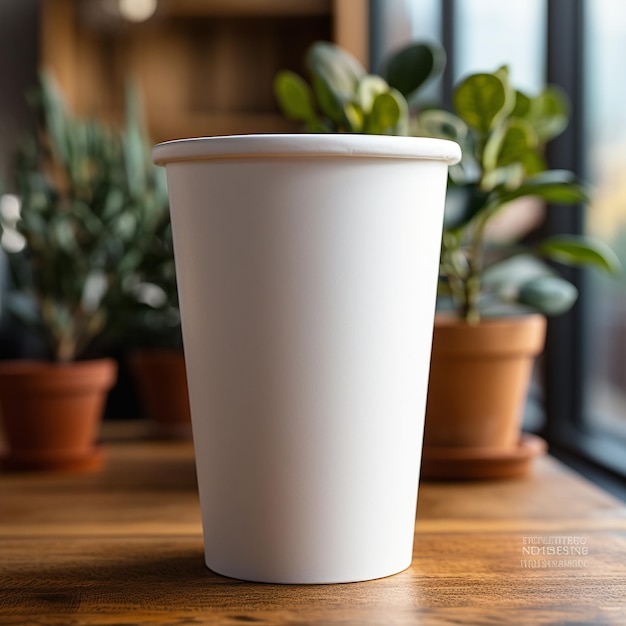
125, 547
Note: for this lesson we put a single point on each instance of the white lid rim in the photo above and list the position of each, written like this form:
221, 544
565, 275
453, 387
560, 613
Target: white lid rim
309, 145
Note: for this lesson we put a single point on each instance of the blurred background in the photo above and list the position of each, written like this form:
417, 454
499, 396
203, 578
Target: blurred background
206, 67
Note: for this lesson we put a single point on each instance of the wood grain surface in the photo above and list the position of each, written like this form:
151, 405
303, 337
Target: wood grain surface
124, 547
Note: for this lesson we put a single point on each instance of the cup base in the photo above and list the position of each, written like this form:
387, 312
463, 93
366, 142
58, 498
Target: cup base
304, 579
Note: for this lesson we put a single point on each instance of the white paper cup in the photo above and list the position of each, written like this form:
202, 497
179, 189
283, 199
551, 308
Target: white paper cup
307, 269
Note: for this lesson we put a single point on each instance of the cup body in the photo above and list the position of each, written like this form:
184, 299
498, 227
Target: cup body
307, 269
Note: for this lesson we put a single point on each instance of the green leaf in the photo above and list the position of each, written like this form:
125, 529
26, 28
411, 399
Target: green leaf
441, 124
136, 153
62, 233
506, 276
87, 219
509, 143
411, 67
553, 177
354, 117
508, 177
533, 163
481, 99
503, 73
94, 290
135, 164
113, 204
330, 104
549, 113
387, 110
130, 261
527, 281
550, 295
522, 105
555, 186
294, 96
55, 115
125, 227
581, 251
369, 87
338, 69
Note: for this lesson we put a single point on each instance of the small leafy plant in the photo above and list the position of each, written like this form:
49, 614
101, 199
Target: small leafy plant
502, 132
343, 97
91, 201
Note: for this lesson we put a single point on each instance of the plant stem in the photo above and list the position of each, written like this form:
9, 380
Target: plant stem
451, 269
473, 282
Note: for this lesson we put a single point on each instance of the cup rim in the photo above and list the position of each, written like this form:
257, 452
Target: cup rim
306, 145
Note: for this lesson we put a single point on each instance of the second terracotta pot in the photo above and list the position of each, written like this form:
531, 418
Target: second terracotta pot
162, 385
479, 380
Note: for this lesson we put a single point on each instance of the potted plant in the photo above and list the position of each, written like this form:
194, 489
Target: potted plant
157, 361
89, 204
493, 296
497, 292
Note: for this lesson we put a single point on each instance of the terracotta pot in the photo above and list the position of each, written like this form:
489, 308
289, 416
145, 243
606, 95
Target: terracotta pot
52, 412
162, 385
479, 379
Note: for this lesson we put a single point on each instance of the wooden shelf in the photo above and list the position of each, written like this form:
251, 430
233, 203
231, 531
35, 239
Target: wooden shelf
204, 66
245, 8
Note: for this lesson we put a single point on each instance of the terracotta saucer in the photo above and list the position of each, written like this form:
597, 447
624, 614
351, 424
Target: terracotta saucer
464, 463
24, 461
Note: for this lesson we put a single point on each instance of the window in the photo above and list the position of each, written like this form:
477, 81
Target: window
490, 33
578, 44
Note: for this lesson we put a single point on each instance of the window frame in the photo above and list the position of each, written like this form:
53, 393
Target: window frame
568, 424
